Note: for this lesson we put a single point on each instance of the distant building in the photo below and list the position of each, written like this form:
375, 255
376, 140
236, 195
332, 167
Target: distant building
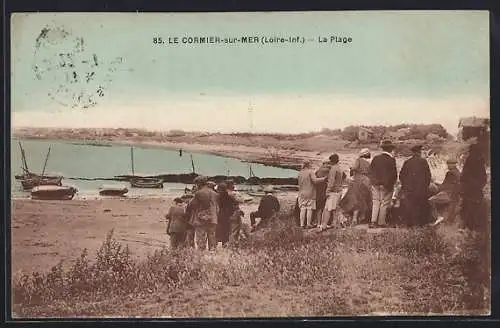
473, 127
405, 131
393, 135
365, 134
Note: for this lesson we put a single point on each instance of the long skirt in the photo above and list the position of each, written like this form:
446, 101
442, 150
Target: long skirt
358, 196
415, 208
473, 211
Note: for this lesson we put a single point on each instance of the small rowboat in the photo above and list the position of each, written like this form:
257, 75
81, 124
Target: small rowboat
53, 192
256, 193
108, 190
146, 183
143, 182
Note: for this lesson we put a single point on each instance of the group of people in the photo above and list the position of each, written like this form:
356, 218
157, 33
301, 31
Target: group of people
213, 215
377, 194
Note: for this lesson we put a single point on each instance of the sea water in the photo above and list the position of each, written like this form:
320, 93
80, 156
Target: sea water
78, 159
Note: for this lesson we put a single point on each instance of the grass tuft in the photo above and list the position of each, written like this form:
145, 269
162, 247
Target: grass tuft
345, 272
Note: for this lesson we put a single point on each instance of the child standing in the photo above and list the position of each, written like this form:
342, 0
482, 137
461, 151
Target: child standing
177, 224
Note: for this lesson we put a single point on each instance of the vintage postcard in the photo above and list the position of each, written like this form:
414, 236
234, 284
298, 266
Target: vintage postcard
298, 164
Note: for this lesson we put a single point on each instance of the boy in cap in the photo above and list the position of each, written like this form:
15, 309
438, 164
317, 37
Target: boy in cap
236, 217
448, 192
383, 175
333, 192
177, 224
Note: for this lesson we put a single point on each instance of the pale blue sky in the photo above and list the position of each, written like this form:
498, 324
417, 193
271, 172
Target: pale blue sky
404, 66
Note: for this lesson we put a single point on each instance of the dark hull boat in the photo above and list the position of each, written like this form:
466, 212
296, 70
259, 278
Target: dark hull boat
29, 180
53, 192
31, 175
151, 183
143, 182
30, 183
118, 191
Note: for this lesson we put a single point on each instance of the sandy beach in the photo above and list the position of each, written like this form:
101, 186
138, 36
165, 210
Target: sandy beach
46, 232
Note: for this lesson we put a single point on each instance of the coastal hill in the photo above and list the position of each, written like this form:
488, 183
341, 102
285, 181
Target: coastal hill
276, 149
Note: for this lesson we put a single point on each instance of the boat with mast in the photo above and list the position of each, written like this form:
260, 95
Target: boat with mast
31, 175
33, 180
143, 182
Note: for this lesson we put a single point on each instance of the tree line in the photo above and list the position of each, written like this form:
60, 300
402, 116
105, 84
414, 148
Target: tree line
411, 131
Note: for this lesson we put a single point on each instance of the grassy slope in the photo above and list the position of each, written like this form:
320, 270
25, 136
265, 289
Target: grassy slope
279, 272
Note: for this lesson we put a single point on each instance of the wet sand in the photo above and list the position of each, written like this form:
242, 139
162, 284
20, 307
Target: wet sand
46, 232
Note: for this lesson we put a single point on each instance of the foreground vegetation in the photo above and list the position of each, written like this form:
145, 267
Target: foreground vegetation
278, 272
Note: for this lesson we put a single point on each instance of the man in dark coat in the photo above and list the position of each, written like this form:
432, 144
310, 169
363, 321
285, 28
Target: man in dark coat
415, 177
472, 183
227, 206
383, 175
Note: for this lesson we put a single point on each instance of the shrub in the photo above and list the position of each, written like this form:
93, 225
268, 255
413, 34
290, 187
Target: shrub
346, 272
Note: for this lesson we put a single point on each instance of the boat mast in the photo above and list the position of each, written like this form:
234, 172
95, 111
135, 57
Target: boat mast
45, 164
132, 158
192, 163
250, 116
23, 159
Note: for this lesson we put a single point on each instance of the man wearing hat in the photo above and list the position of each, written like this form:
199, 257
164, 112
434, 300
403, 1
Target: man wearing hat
212, 185
269, 208
203, 209
448, 193
415, 177
383, 175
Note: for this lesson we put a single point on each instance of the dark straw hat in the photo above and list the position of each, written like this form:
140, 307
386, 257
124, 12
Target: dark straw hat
387, 144
416, 148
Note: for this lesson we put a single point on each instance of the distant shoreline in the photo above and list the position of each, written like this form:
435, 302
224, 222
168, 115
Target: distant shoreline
287, 151
252, 154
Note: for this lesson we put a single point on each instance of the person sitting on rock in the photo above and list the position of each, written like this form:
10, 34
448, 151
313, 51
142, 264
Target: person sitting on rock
269, 208
448, 193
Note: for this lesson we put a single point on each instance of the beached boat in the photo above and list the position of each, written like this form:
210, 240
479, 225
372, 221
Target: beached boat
143, 182
146, 183
256, 193
30, 180
30, 183
110, 190
287, 188
31, 175
53, 192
